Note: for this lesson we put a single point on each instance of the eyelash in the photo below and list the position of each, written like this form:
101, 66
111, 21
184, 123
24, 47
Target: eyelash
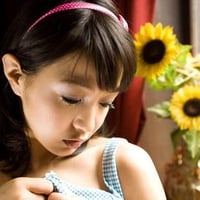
72, 101
109, 105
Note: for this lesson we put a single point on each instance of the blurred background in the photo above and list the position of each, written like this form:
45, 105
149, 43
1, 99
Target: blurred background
184, 16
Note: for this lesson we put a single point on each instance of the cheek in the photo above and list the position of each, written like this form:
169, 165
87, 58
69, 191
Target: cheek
43, 114
100, 119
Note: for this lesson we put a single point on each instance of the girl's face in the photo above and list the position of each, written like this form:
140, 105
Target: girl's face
63, 105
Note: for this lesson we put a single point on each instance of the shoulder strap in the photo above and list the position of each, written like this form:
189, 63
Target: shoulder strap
110, 174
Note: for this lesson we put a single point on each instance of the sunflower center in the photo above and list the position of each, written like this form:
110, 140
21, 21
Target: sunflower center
153, 51
192, 107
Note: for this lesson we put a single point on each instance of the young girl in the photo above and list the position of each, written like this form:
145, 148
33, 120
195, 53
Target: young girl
63, 64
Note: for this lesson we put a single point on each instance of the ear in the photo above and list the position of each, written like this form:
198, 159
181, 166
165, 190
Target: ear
12, 71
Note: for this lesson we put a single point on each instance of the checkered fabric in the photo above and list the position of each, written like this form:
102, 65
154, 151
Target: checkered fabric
109, 174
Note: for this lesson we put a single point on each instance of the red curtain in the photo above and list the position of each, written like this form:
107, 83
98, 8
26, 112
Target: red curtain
128, 118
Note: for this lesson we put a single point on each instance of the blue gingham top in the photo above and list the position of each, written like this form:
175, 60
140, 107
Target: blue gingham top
110, 176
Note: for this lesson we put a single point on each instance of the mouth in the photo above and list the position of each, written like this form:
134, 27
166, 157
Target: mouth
73, 144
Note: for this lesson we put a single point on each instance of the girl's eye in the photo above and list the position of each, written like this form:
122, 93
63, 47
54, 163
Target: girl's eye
108, 105
71, 100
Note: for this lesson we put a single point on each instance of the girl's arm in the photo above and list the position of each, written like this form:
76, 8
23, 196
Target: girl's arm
138, 176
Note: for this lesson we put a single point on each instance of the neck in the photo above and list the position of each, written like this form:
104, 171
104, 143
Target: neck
41, 159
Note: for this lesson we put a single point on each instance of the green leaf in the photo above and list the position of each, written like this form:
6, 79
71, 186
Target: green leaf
192, 139
166, 80
182, 56
176, 137
162, 109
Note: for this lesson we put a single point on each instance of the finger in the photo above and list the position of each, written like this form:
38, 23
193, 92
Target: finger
39, 186
58, 196
32, 196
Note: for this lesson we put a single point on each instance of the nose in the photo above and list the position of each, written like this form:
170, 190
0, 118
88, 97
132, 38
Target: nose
86, 120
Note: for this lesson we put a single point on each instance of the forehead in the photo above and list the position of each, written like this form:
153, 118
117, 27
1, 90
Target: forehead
80, 69
73, 68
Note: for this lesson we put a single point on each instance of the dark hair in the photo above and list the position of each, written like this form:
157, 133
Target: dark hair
85, 31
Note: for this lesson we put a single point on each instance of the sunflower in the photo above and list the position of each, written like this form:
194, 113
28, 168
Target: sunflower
156, 47
185, 107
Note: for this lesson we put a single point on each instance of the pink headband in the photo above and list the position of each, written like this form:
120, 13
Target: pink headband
80, 5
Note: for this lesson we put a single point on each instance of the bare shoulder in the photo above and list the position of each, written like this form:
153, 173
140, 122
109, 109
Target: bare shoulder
132, 155
138, 175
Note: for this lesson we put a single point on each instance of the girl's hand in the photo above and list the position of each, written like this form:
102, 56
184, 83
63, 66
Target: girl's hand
26, 189
58, 196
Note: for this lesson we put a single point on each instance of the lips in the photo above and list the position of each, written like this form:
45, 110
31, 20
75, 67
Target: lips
73, 144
